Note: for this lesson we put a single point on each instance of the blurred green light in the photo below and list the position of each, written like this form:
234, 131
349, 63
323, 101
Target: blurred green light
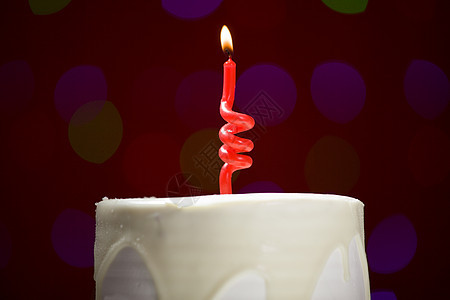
95, 131
47, 7
347, 6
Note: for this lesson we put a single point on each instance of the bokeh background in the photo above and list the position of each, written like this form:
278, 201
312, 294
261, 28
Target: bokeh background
120, 99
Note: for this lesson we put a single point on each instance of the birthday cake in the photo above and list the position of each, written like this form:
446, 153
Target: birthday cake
249, 246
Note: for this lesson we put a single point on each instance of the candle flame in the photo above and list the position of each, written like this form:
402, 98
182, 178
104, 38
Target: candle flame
226, 41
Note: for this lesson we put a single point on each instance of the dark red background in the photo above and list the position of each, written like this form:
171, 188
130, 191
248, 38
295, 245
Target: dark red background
125, 38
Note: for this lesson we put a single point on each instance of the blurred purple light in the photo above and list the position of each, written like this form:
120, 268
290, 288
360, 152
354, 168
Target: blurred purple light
426, 89
383, 295
77, 87
392, 245
267, 93
338, 91
261, 187
190, 9
73, 236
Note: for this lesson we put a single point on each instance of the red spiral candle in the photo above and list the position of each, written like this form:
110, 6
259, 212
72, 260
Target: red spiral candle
237, 122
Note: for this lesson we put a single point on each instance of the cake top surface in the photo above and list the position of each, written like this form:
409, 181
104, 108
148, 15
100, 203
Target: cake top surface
208, 200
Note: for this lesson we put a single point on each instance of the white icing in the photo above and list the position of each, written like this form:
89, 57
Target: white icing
128, 278
195, 252
343, 276
246, 286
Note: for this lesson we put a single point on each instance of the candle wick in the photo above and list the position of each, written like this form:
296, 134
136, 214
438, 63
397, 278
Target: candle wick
228, 52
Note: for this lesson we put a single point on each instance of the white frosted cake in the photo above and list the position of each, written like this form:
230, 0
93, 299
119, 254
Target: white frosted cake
233, 247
